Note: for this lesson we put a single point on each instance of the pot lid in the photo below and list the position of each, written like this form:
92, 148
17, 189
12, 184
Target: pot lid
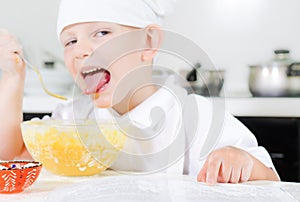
282, 56
281, 59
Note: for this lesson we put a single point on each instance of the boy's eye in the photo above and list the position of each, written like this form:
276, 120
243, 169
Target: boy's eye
102, 33
68, 43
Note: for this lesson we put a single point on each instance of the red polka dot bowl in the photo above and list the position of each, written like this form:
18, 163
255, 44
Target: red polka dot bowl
17, 175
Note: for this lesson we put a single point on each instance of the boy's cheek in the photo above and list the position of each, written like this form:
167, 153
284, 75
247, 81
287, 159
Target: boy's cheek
71, 68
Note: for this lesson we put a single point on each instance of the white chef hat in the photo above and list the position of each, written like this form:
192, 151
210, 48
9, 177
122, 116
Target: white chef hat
136, 13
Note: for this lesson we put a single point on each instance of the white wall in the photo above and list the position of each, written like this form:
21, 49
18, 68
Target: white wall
34, 23
234, 33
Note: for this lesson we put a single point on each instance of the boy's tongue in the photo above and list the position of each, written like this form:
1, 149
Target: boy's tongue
95, 82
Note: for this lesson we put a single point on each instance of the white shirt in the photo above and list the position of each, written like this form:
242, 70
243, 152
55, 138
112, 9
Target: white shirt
172, 131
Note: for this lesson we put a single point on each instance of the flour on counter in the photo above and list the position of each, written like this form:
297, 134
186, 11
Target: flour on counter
162, 188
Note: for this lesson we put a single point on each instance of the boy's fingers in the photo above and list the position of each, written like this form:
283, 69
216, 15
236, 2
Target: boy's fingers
6, 39
202, 174
213, 169
245, 174
235, 175
224, 174
17, 58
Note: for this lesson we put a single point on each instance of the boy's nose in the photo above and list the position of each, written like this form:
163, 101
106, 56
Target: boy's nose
84, 50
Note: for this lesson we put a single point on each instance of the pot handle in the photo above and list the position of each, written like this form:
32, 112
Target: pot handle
294, 69
192, 75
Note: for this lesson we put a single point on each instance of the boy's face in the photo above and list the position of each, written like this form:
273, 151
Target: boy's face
101, 65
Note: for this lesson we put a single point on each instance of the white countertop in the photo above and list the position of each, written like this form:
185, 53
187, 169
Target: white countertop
48, 186
238, 106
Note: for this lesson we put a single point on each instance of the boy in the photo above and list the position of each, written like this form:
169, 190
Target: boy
109, 46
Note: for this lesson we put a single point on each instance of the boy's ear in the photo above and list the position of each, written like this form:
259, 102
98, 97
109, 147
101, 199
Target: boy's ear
154, 36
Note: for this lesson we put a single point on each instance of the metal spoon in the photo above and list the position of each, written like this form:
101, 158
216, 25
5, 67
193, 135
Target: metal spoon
37, 71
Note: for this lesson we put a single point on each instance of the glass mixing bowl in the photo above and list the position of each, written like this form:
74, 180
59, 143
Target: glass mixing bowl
73, 147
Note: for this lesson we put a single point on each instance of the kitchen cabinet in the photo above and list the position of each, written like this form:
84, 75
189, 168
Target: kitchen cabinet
27, 116
275, 121
281, 137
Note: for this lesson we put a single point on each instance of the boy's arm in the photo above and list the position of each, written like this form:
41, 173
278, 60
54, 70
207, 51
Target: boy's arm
11, 96
262, 172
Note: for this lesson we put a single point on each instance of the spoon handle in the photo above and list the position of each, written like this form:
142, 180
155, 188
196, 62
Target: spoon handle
37, 71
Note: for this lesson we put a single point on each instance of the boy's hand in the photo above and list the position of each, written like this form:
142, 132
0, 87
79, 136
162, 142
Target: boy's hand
227, 164
10, 50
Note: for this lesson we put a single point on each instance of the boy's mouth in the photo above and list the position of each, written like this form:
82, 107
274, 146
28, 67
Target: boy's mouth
96, 79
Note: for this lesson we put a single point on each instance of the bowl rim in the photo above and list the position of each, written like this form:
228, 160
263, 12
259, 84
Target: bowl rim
36, 164
77, 122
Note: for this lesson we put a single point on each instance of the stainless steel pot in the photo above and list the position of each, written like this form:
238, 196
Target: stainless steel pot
206, 82
279, 78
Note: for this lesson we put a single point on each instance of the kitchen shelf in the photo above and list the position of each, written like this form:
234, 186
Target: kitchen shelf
263, 106
40, 104
238, 106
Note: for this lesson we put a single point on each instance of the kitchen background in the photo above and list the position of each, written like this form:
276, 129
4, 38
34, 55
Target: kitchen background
233, 33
